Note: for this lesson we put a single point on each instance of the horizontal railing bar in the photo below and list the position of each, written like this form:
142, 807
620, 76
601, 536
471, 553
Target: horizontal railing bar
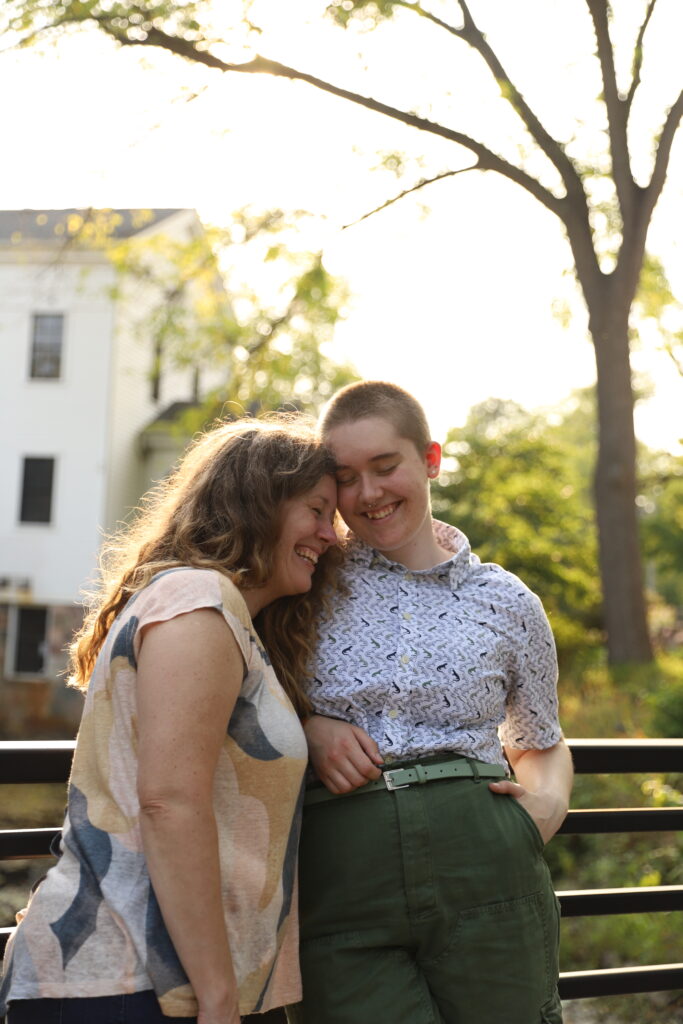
35, 760
642, 900
619, 981
36, 842
50, 760
622, 819
592, 757
21, 843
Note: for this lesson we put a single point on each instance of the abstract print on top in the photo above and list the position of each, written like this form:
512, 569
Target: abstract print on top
94, 927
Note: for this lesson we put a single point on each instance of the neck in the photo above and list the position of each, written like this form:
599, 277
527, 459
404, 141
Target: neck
422, 552
255, 600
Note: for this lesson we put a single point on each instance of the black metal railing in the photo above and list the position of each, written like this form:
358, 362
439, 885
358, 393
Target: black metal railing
49, 761
593, 757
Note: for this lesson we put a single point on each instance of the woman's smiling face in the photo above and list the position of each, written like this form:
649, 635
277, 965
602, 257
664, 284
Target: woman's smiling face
383, 488
306, 532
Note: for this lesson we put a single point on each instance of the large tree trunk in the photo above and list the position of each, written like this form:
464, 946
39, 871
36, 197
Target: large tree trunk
615, 487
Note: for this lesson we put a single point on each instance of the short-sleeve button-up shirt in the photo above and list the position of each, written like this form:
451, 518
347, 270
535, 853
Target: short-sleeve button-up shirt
456, 658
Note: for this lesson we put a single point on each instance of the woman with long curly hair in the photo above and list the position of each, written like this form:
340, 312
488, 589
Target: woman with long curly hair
173, 895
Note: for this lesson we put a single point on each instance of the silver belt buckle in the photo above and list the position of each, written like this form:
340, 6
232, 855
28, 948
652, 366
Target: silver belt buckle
389, 782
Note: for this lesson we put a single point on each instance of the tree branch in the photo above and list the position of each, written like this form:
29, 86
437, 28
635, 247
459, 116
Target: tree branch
475, 38
675, 359
617, 114
407, 192
664, 144
487, 159
637, 65
645, 199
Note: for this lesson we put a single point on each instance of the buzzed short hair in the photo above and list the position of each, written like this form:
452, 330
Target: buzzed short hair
378, 398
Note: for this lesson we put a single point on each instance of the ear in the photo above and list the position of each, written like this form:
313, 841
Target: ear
433, 458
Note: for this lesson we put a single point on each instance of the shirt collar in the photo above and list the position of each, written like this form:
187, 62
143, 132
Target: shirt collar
458, 566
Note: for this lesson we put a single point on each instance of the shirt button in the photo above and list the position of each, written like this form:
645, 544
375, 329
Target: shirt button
407, 616
408, 576
393, 713
405, 658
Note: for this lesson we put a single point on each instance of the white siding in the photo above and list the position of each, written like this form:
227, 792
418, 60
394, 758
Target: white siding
64, 418
88, 420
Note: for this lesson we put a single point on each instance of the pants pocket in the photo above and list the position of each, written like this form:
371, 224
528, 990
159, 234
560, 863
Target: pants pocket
529, 822
499, 965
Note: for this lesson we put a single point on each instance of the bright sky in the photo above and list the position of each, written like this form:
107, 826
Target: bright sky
454, 303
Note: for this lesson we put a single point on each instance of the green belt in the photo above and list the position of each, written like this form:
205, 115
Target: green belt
401, 778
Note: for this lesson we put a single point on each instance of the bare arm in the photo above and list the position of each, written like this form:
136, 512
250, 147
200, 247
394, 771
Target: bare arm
544, 784
189, 675
343, 755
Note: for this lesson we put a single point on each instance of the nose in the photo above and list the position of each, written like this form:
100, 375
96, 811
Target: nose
370, 489
327, 534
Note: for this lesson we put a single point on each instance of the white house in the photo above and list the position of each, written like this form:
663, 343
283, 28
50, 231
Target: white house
79, 382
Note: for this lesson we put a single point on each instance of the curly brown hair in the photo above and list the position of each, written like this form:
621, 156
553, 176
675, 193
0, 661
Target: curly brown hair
220, 509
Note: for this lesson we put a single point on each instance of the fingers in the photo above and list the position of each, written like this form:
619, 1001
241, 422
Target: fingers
343, 779
507, 787
346, 766
539, 807
368, 745
343, 755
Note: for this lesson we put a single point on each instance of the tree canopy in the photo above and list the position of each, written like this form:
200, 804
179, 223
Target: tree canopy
512, 484
587, 170
261, 347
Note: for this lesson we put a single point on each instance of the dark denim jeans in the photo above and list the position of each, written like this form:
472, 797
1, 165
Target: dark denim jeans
138, 1008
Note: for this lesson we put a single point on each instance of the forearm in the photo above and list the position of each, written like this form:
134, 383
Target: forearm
181, 847
548, 770
546, 773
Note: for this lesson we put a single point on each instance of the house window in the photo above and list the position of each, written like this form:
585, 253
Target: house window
46, 347
36, 490
30, 645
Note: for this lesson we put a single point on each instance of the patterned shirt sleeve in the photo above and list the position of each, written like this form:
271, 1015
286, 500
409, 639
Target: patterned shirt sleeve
531, 721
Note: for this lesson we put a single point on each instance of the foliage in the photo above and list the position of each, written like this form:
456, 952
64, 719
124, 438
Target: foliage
661, 504
658, 312
257, 346
666, 703
586, 176
510, 484
573, 425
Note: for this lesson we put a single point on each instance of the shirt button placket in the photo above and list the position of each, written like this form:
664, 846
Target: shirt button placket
405, 601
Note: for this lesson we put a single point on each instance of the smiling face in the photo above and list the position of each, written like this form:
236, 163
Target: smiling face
306, 532
383, 489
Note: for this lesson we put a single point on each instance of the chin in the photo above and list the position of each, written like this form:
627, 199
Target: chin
303, 587
380, 535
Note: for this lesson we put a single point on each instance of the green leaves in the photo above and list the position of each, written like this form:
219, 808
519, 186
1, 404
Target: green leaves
245, 305
513, 486
125, 20
370, 12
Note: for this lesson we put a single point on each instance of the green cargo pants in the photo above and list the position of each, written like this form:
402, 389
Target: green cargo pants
427, 905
